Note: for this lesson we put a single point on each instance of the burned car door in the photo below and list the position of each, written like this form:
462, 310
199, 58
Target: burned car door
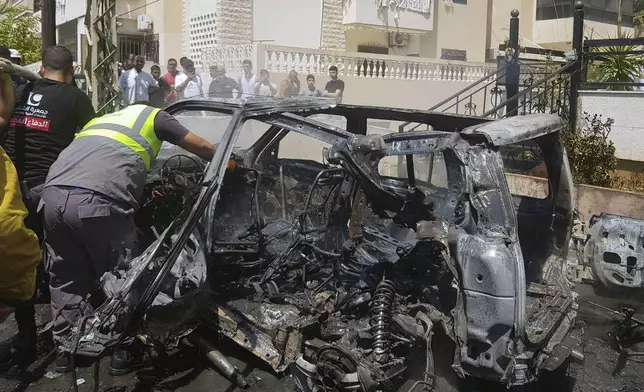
532, 147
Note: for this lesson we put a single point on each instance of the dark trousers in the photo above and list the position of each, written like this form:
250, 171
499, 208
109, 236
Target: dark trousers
25, 312
86, 235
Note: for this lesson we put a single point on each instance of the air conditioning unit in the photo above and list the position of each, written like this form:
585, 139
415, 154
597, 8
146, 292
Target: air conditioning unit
398, 40
144, 22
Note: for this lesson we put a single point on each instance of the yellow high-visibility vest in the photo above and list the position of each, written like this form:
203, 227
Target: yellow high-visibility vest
132, 126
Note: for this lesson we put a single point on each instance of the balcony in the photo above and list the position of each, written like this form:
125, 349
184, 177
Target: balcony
411, 16
371, 79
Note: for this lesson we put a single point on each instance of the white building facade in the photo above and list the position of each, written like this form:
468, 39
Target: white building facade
151, 29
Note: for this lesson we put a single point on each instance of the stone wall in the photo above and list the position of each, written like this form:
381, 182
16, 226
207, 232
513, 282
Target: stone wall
333, 36
625, 107
589, 200
234, 22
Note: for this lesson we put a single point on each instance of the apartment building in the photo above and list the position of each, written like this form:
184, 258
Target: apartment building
421, 28
149, 28
465, 30
457, 30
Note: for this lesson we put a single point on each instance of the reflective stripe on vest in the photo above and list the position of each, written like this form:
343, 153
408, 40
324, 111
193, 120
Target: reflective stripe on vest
132, 126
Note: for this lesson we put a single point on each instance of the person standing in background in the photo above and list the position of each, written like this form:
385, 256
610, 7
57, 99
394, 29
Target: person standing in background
334, 87
189, 83
135, 83
264, 88
248, 80
311, 90
182, 62
14, 57
221, 85
290, 86
157, 95
169, 78
128, 63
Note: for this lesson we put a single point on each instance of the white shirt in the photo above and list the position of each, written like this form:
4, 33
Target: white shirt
247, 85
194, 88
135, 85
265, 90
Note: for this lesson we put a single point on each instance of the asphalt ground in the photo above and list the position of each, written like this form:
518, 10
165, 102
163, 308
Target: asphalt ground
189, 371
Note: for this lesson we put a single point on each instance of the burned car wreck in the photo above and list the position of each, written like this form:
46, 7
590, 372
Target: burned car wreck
334, 270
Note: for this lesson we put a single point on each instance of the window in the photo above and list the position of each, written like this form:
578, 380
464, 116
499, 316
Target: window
373, 49
453, 54
298, 146
151, 48
526, 170
464, 2
604, 11
129, 44
426, 170
209, 125
67, 37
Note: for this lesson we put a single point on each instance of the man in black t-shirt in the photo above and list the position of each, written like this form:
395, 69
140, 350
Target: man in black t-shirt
334, 87
47, 114
221, 86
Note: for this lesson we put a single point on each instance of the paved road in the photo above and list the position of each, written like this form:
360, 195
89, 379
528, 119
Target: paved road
188, 373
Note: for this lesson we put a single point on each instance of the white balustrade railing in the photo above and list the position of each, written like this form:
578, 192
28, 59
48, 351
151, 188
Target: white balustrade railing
231, 56
366, 65
281, 59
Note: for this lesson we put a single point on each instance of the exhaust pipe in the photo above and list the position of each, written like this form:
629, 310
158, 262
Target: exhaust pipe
219, 360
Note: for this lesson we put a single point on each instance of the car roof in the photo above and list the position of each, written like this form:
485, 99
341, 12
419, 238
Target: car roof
498, 132
516, 129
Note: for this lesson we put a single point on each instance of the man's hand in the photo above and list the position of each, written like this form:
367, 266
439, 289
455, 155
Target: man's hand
191, 75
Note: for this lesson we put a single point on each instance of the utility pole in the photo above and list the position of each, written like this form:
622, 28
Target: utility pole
48, 23
619, 18
100, 66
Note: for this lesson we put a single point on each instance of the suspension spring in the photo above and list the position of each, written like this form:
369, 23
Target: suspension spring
380, 319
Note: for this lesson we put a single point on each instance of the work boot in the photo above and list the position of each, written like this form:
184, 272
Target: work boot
127, 360
63, 362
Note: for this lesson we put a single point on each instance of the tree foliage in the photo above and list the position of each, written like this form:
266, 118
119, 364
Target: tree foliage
590, 153
19, 30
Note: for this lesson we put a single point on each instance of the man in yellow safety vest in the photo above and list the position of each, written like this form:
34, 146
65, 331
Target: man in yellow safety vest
90, 195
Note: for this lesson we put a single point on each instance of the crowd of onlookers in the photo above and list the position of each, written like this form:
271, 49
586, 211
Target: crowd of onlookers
138, 85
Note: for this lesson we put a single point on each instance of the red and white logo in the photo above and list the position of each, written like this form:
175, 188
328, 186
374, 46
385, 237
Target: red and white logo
41, 124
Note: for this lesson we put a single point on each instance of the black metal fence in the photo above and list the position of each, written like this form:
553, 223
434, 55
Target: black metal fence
626, 56
547, 83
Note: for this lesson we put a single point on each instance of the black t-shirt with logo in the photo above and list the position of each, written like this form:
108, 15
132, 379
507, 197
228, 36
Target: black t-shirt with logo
46, 117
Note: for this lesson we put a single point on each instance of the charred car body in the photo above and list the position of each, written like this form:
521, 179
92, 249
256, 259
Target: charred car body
336, 270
